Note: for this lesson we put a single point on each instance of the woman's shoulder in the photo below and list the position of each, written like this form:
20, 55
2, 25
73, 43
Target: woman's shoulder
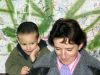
95, 70
39, 71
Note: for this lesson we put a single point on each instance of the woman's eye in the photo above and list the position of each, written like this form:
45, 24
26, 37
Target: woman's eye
69, 49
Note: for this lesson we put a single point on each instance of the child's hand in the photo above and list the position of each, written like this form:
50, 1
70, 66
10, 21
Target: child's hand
25, 70
34, 53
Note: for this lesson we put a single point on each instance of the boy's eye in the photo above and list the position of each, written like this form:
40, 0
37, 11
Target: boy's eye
23, 44
32, 43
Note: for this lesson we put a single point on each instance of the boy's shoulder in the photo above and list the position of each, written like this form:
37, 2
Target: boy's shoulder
14, 53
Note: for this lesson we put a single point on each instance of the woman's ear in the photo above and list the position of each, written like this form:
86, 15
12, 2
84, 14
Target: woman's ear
80, 46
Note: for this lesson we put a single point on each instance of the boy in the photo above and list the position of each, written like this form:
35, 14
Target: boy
27, 50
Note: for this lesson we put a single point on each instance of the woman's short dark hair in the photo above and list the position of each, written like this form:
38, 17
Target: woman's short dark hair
27, 27
67, 28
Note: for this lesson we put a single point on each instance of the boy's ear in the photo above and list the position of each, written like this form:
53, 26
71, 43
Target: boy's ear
17, 39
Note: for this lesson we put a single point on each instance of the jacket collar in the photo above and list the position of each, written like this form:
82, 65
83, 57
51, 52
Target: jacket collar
22, 52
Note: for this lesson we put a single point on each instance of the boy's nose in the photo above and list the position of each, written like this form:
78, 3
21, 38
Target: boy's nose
28, 47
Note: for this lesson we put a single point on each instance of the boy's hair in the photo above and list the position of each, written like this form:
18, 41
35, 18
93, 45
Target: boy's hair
27, 27
67, 29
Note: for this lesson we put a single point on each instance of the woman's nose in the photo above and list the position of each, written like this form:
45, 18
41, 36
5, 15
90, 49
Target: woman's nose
63, 54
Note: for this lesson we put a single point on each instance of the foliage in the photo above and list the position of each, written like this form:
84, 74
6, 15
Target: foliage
9, 47
9, 32
95, 43
46, 16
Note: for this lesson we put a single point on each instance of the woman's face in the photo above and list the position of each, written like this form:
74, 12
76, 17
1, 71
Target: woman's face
65, 52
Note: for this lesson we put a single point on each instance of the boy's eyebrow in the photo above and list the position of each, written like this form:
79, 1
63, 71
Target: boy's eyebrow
35, 42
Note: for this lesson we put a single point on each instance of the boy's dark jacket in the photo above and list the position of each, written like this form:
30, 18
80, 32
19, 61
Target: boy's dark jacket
17, 59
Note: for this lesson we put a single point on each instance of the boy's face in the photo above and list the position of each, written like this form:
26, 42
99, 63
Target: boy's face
28, 42
66, 52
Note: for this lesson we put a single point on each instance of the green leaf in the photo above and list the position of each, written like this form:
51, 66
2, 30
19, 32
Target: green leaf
87, 29
10, 4
9, 47
74, 8
44, 26
9, 32
95, 43
6, 11
36, 9
87, 14
48, 18
11, 8
26, 10
46, 15
49, 7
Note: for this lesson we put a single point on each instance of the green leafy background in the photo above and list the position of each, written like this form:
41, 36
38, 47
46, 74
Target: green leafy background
46, 17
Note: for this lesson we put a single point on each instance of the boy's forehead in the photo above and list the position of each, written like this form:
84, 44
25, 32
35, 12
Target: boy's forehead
28, 34
31, 36
27, 38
